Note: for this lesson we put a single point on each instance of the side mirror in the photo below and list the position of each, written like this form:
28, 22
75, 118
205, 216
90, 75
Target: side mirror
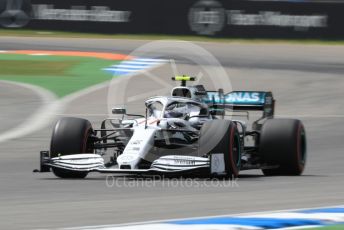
120, 111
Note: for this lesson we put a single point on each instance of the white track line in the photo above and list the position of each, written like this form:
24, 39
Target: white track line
39, 119
163, 226
150, 60
130, 66
141, 62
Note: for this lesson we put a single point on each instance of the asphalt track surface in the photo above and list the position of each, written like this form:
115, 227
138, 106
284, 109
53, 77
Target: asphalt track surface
16, 103
307, 82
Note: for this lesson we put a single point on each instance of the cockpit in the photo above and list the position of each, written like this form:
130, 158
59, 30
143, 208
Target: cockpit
174, 107
178, 109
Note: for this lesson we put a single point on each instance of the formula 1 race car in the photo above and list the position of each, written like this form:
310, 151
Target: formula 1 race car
190, 132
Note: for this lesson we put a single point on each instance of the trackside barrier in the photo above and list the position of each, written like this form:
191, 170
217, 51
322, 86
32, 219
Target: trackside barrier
219, 18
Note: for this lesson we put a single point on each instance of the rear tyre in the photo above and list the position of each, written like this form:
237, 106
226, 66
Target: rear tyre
283, 143
221, 136
70, 136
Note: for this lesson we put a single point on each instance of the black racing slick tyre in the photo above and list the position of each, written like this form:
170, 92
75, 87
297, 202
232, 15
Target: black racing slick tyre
221, 136
283, 143
70, 136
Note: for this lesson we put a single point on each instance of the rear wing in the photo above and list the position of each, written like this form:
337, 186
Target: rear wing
242, 101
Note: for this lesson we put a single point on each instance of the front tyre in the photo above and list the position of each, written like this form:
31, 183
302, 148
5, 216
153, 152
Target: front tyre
70, 136
283, 143
222, 136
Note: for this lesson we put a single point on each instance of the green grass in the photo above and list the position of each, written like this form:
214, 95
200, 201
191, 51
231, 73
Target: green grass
60, 74
37, 68
34, 33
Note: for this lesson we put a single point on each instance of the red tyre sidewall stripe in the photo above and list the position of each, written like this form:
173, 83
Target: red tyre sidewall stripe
234, 168
84, 144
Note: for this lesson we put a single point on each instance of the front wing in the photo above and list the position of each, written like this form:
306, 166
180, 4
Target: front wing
173, 164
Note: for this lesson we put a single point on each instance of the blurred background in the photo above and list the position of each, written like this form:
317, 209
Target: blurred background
60, 58
219, 18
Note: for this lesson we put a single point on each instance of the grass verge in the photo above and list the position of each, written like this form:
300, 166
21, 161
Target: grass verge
62, 75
